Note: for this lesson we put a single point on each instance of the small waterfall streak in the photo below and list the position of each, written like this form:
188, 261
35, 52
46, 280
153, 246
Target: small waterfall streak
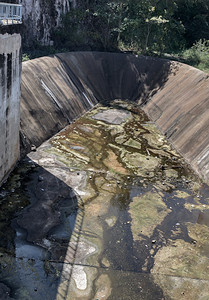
50, 93
91, 104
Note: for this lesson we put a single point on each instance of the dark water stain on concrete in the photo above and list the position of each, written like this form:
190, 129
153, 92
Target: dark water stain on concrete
106, 209
38, 222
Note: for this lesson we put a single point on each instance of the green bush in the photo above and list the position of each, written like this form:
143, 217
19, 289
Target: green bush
198, 55
25, 57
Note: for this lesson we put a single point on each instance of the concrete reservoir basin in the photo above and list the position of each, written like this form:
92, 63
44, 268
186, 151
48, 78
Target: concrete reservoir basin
110, 199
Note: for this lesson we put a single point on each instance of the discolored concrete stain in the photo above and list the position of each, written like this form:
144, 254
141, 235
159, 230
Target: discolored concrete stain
58, 89
106, 209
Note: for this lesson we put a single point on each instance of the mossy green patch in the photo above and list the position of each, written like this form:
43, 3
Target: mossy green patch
171, 173
154, 140
181, 194
176, 288
183, 259
147, 211
200, 207
142, 163
200, 233
121, 139
133, 143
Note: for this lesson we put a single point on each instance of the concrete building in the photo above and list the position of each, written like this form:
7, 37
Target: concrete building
10, 77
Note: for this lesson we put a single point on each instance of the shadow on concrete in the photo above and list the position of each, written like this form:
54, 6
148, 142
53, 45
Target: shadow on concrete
47, 236
57, 90
111, 76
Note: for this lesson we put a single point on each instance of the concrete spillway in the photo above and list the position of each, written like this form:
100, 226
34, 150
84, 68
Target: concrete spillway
107, 208
56, 90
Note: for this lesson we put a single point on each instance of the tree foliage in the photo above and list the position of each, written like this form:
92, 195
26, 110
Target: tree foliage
194, 15
145, 26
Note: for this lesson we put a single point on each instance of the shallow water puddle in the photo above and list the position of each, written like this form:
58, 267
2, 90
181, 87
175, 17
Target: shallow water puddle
106, 209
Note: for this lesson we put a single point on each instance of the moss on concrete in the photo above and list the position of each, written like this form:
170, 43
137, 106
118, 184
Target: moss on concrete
146, 212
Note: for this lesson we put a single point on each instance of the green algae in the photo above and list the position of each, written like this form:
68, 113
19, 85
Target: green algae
146, 212
117, 155
199, 233
132, 143
200, 207
117, 130
181, 259
171, 173
182, 288
121, 139
181, 194
139, 160
154, 141
134, 189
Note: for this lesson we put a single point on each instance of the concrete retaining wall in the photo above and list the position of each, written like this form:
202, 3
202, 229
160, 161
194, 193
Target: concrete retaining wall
55, 90
51, 98
10, 72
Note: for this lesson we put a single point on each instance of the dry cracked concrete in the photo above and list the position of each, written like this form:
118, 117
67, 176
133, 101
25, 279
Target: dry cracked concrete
105, 209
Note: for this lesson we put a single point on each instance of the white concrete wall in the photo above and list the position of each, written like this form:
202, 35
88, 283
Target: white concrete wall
10, 76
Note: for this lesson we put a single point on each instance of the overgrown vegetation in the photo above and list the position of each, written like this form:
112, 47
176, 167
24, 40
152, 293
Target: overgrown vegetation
198, 55
163, 28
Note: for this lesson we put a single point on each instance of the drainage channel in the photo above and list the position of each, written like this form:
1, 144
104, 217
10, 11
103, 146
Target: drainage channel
106, 209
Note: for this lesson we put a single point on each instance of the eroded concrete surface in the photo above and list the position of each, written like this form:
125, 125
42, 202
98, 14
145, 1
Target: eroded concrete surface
106, 209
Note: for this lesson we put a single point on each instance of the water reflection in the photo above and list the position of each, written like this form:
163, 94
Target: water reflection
102, 211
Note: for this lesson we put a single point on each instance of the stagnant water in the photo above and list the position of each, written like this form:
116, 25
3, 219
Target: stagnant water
106, 209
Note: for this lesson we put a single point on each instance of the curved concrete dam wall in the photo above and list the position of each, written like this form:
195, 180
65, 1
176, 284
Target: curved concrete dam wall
56, 90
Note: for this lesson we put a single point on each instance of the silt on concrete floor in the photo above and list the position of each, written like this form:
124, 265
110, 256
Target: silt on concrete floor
111, 211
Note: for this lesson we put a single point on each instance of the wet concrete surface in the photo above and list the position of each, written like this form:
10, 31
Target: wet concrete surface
106, 209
